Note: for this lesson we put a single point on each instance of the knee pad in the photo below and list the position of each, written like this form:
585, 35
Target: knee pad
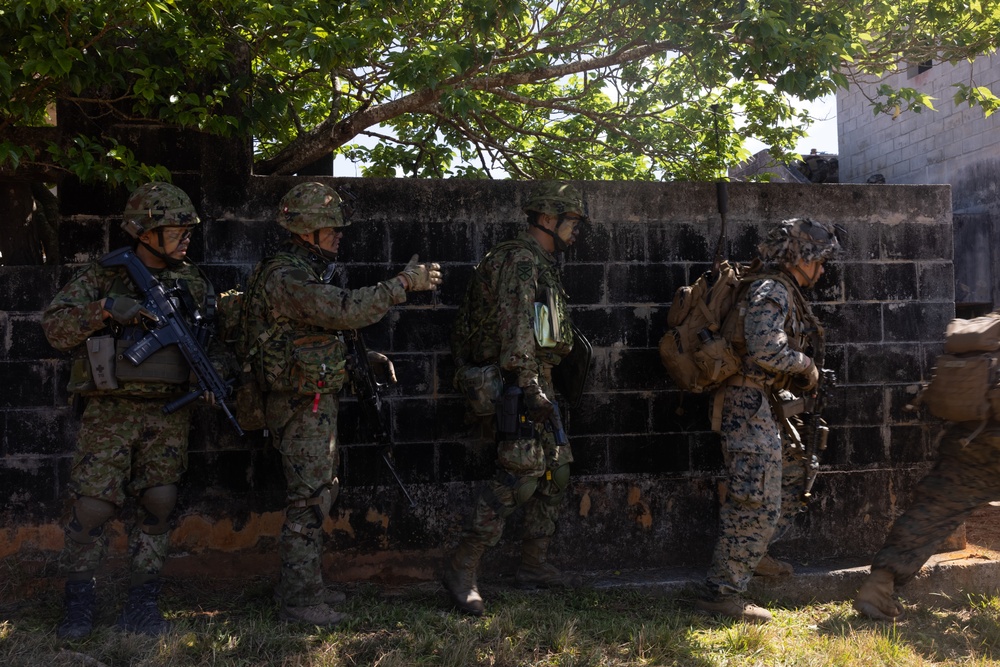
159, 502
524, 488
321, 502
558, 482
89, 517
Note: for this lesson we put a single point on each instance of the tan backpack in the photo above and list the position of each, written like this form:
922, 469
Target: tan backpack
965, 381
693, 350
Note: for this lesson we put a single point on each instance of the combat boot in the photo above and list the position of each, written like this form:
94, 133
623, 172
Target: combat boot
772, 567
735, 607
141, 613
80, 601
459, 577
317, 614
536, 572
330, 597
874, 598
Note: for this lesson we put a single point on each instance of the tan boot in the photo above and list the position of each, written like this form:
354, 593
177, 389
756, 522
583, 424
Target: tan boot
317, 614
772, 567
459, 577
536, 572
735, 607
874, 598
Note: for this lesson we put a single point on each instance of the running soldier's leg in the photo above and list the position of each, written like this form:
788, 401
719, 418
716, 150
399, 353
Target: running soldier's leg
963, 479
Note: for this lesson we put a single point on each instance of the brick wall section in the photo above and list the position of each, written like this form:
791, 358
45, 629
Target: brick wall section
647, 468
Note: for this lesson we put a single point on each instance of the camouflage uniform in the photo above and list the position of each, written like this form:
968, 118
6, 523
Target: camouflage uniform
508, 282
764, 477
126, 445
496, 325
291, 323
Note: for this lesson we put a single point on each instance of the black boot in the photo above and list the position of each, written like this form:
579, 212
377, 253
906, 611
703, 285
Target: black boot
141, 615
80, 602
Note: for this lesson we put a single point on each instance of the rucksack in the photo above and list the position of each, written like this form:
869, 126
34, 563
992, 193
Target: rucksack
696, 354
247, 395
965, 380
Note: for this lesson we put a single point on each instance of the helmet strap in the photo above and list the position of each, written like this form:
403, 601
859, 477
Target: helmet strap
314, 248
171, 262
560, 245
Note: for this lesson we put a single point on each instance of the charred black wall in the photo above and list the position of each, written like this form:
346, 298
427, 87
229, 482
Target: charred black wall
647, 469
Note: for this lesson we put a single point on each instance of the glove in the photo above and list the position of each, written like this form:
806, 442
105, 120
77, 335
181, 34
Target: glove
538, 404
382, 367
809, 378
421, 277
123, 309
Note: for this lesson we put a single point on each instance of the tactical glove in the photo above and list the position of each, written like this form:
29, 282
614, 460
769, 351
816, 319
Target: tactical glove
382, 367
538, 404
809, 378
421, 277
122, 309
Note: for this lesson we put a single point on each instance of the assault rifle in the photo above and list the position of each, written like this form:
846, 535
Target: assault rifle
816, 432
369, 392
171, 329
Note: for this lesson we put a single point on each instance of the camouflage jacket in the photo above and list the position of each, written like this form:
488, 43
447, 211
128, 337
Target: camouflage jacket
777, 327
291, 321
496, 321
75, 315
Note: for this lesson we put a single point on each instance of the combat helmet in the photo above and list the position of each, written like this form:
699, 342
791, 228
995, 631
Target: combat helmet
799, 238
311, 206
155, 205
556, 198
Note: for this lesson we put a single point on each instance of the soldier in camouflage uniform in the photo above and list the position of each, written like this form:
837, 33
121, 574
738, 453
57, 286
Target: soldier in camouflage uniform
497, 324
126, 446
965, 477
765, 478
291, 324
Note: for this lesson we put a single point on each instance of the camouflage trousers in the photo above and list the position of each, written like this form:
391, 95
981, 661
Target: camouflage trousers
524, 478
307, 440
962, 479
125, 446
762, 490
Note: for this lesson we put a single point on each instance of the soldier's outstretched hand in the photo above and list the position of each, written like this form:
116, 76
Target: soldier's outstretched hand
420, 277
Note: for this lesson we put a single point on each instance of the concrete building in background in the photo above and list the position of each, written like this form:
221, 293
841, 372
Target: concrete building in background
953, 145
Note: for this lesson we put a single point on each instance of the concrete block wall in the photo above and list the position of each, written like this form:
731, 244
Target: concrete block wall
647, 467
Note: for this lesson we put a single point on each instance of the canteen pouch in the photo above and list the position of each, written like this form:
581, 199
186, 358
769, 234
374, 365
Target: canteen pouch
101, 356
482, 387
318, 364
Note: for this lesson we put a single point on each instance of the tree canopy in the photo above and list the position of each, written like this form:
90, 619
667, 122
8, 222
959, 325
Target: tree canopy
588, 89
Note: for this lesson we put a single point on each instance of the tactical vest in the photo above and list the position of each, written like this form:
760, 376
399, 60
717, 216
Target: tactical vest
101, 357
476, 336
286, 354
801, 327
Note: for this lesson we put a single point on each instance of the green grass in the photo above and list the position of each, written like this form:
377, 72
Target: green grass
235, 623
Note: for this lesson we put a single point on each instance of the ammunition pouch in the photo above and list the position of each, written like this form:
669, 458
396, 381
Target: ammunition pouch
101, 355
166, 365
318, 364
512, 416
482, 386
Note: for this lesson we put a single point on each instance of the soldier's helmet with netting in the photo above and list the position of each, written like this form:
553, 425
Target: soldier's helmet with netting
799, 238
311, 206
555, 198
154, 205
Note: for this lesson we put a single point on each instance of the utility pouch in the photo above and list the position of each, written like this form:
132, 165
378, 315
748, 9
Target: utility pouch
482, 387
166, 365
318, 364
101, 356
512, 418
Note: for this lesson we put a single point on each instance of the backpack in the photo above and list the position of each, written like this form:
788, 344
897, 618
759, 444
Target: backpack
247, 396
696, 354
965, 380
